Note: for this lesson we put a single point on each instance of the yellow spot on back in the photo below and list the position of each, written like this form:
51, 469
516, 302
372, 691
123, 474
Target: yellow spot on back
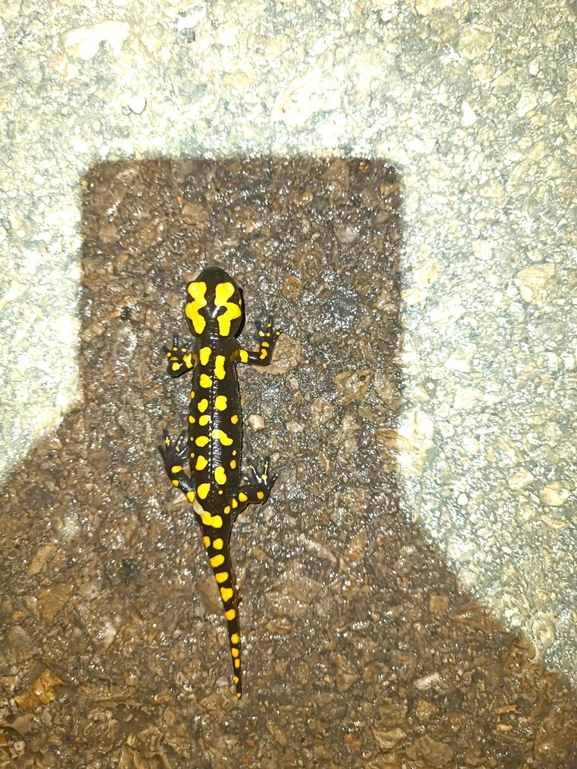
231, 613
203, 490
203, 420
236, 680
234, 503
219, 476
192, 394
234, 419
219, 367
205, 381
242, 496
227, 593
197, 291
237, 663
234, 652
235, 638
227, 509
191, 419
175, 483
222, 437
217, 544
175, 366
221, 402
206, 541
202, 405
191, 495
211, 520
260, 495
217, 560
222, 576
176, 468
202, 440
233, 464
222, 294
204, 355
201, 463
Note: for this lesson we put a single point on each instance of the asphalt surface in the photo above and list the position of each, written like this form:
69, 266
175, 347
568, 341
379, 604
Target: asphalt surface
472, 108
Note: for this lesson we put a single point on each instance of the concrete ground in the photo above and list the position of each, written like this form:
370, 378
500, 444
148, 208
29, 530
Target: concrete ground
473, 103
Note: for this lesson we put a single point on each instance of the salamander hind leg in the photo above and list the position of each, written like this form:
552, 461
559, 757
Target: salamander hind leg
174, 455
260, 486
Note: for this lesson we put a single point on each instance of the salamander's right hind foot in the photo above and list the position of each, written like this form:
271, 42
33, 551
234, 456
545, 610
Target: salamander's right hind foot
258, 490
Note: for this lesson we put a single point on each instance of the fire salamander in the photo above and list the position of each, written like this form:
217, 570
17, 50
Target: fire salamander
214, 310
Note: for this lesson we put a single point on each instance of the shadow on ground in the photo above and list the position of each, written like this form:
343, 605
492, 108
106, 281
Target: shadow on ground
360, 650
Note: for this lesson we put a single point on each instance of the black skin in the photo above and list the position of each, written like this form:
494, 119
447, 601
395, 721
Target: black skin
212, 445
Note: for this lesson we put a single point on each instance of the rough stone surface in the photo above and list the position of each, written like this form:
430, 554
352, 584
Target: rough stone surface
474, 104
360, 648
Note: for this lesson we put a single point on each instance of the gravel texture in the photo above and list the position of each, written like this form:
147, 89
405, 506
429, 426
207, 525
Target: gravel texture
473, 103
359, 647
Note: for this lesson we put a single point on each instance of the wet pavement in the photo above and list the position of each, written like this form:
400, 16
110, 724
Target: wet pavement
360, 649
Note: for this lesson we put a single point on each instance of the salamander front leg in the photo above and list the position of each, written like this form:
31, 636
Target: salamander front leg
174, 454
181, 357
263, 356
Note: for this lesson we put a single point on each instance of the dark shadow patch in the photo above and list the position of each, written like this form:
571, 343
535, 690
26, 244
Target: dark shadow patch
360, 649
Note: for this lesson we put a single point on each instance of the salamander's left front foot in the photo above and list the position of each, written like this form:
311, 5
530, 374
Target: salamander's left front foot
180, 357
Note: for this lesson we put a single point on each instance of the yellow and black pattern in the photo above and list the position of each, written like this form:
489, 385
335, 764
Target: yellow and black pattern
212, 443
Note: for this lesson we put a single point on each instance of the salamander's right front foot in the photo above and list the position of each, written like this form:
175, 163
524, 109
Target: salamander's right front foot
267, 336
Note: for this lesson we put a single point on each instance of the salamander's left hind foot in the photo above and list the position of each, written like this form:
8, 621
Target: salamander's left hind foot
174, 455
173, 450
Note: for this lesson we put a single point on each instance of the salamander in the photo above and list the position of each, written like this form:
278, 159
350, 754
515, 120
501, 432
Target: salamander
212, 443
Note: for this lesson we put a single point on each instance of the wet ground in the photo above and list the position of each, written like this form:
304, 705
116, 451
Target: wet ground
359, 648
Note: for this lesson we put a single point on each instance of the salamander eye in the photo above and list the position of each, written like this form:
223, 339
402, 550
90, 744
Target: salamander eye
227, 300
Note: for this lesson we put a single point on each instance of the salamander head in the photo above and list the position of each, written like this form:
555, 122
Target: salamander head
214, 302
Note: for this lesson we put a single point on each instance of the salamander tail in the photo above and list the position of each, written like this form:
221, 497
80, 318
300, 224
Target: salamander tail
234, 636
229, 596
